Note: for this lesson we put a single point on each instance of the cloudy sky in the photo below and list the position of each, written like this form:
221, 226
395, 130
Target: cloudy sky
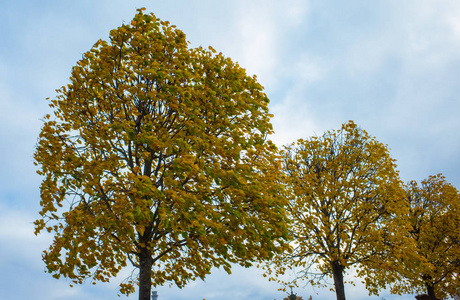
391, 66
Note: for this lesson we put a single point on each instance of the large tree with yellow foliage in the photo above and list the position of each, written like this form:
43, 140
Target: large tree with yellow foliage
343, 189
157, 154
433, 263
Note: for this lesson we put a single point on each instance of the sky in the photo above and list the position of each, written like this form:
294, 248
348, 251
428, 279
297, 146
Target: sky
393, 67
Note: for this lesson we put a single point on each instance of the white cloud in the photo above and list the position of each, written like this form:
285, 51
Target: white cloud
260, 30
257, 36
296, 11
309, 69
20, 126
294, 114
395, 73
17, 237
293, 120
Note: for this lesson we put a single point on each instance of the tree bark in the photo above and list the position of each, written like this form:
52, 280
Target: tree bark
430, 291
337, 272
145, 281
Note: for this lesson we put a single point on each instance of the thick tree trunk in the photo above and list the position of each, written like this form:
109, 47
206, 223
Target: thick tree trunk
337, 272
145, 281
430, 291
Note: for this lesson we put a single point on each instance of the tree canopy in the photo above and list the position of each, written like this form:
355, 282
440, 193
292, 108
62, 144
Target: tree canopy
433, 263
157, 154
342, 189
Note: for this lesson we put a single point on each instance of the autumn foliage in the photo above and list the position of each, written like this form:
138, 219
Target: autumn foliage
432, 265
157, 154
342, 188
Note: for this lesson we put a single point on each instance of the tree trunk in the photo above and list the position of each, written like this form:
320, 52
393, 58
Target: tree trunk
145, 281
430, 291
337, 272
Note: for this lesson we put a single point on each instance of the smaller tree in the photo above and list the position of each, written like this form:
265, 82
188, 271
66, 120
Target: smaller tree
293, 296
343, 189
433, 264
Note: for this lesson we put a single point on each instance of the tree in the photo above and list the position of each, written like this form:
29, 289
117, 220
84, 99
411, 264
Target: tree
433, 264
157, 155
293, 296
343, 188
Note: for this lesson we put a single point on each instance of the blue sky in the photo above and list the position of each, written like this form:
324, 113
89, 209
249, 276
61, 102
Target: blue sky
391, 66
